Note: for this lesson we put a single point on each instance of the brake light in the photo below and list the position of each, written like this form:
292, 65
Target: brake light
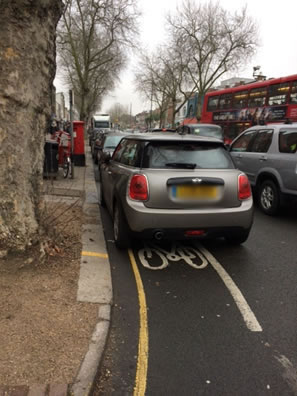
194, 233
138, 189
244, 187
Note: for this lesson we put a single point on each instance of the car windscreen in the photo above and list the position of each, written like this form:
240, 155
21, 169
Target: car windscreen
201, 130
101, 124
187, 155
112, 141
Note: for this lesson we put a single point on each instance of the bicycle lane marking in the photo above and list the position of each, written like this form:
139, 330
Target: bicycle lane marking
245, 310
142, 359
185, 253
176, 253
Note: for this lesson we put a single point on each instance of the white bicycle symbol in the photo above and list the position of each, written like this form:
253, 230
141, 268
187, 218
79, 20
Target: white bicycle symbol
176, 253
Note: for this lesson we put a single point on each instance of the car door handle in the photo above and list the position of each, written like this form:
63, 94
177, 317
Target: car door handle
263, 158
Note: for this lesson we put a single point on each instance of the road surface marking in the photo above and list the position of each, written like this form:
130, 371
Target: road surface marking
246, 312
176, 253
142, 360
290, 372
94, 254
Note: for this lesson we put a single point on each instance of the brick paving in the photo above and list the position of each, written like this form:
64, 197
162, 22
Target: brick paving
35, 390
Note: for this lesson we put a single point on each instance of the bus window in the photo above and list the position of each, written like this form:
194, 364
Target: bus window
225, 101
277, 94
213, 102
257, 97
293, 96
240, 99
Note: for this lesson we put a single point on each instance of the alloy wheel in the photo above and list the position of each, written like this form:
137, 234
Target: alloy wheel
267, 197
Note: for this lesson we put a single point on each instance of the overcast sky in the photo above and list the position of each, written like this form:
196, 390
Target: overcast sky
277, 54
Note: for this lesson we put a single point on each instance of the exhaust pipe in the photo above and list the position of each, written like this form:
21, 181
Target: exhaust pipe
159, 235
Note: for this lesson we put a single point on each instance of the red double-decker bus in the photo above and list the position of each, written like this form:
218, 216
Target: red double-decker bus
260, 102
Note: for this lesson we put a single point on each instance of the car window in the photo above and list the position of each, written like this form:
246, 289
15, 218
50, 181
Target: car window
129, 154
111, 141
243, 142
175, 154
262, 141
201, 130
288, 141
119, 150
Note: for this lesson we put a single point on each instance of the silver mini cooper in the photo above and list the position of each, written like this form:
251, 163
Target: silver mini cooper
168, 186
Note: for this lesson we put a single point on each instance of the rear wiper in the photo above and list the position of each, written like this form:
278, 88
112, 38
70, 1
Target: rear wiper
187, 165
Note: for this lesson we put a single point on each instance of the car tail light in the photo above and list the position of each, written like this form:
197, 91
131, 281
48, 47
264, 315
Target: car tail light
244, 187
194, 232
138, 189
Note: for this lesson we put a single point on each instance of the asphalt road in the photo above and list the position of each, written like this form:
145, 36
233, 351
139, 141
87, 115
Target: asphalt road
228, 328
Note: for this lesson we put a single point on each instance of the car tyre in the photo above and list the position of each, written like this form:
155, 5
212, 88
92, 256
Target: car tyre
120, 228
101, 196
269, 197
238, 238
95, 158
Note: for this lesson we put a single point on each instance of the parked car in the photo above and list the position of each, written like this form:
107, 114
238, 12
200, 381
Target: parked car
97, 142
211, 130
171, 186
92, 133
267, 154
108, 145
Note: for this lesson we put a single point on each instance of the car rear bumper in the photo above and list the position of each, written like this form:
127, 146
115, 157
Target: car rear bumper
174, 223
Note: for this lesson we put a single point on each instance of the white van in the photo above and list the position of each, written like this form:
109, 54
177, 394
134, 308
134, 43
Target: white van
101, 121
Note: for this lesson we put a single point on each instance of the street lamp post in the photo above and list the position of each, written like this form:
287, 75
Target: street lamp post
71, 131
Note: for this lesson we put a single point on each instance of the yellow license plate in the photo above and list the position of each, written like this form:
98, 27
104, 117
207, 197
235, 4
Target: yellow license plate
196, 192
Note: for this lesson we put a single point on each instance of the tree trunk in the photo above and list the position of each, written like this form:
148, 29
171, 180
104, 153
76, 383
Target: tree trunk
199, 106
27, 70
172, 121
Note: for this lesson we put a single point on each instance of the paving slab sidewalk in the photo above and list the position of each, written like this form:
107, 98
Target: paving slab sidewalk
94, 285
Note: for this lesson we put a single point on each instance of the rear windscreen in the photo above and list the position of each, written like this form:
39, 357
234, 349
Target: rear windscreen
213, 131
187, 155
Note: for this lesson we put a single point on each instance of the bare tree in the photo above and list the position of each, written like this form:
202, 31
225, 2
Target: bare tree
27, 70
93, 38
161, 78
147, 84
119, 114
213, 40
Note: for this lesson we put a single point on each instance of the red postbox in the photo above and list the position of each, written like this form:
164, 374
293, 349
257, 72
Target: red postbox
79, 157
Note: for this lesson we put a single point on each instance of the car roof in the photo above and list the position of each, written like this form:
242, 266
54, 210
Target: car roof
118, 133
270, 125
154, 137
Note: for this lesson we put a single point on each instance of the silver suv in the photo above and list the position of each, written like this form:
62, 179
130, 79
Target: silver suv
267, 154
168, 186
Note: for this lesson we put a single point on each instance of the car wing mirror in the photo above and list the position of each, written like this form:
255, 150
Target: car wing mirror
106, 157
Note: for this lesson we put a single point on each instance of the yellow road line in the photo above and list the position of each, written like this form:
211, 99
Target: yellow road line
94, 254
142, 361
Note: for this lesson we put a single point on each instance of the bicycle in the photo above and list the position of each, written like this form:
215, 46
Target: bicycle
64, 152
